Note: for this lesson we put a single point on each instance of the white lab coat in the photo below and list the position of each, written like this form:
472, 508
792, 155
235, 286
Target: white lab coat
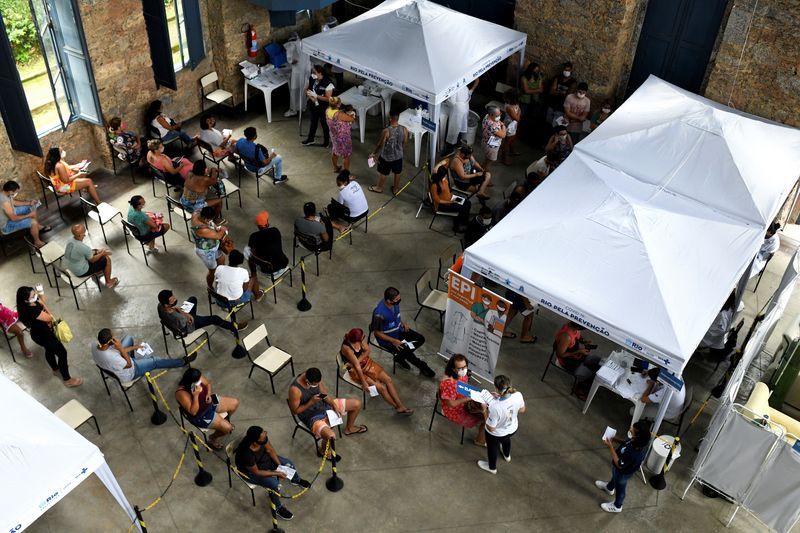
459, 110
300, 73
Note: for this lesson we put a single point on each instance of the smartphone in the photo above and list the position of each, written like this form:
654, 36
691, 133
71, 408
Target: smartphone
322, 396
214, 399
39, 288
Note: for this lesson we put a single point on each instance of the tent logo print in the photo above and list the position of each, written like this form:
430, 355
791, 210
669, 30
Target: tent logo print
49, 500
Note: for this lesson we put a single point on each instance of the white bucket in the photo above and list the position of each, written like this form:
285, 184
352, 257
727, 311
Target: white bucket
659, 450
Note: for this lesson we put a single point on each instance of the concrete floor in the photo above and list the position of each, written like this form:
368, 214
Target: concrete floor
398, 476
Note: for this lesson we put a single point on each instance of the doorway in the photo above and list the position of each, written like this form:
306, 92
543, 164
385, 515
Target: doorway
676, 42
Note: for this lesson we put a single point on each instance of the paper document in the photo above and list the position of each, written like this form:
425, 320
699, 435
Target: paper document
409, 345
145, 350
610, 372
187, 307
334, 418
373, 391
290, 472
487, 397
371, 162
609, 433
458, 199
227, 133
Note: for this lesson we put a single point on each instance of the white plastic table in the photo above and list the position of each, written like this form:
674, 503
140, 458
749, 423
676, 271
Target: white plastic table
638, 382
266, 82
414, 128
361, 103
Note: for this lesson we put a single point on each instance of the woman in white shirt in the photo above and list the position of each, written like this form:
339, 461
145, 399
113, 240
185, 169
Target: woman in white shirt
501, 422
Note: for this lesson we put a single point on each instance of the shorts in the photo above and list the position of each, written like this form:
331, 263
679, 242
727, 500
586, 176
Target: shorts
246, 296
491, 152
384, 166
516, 299
466, 184
97, 266
204, 419
17, 225
191, 207
321, 423
209, 257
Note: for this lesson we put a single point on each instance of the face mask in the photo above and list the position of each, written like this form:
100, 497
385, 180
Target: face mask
567, 73
581, 95
13, 194
487, 304
398, 301
33, 299
461, 372
341, 187
606, 110
496, 119
630, 434
197, 384
486, 221
63, 154
562, 135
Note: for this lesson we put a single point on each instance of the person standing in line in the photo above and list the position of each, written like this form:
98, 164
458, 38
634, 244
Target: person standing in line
501, 422
34, 313
389, 152
319, 90
625, 461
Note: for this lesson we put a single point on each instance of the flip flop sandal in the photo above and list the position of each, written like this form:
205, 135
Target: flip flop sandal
45, 229
406, 413
373, 189
361, 429
511, 335
529, 341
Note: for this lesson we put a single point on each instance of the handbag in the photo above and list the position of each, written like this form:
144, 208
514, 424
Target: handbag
62, 331
226, 245
158, 218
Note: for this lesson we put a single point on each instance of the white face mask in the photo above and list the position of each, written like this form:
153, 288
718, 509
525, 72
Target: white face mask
13, 194
33, 299
581, 94
461, 372
486, 221
63, 154
567, 73
606, 110
630, 434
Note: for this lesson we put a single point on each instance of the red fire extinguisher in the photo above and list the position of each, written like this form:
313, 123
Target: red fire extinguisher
252, 41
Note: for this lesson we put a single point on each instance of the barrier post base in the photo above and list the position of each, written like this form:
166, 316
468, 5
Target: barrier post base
158, 418
203, 478
334, 484
303, 304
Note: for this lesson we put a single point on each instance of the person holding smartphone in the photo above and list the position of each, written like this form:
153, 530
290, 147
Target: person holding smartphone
120, 357
196, 400
309, 401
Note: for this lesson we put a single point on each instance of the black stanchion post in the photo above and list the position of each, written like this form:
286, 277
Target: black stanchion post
139, 518
274, 511
303, 304
158, 417
203, 477
334, 482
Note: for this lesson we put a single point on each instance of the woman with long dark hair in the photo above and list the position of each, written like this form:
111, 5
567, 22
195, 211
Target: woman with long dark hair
201, 407
67, 178
444, 200
34, 313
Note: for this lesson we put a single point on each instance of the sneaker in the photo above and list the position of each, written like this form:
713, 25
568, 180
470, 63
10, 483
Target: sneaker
153, 250
189, 358
308, 142
610, 507
603, 485
302, 483
402, 363
484, 465
242, 325
285, 513
506, 457
326, 144
290, 113
259, 296
427, 372
283, 178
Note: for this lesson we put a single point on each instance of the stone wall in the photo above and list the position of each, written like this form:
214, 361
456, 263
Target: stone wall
768, 80
598, 36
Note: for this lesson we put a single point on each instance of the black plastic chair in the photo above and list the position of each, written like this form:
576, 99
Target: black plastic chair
223, 302
186, 339
437, 411
133, 231
47, 185
174, 205
342, 374
309, 242
553, 361
266, 267
9, 337
259, 173
120, 152
124, 387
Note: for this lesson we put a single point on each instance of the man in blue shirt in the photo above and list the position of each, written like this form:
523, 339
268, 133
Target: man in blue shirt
257, 158
395, 336
625, 461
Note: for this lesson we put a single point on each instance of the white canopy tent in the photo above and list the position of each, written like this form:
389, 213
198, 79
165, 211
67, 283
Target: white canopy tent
42, 459
416, 47
643, 231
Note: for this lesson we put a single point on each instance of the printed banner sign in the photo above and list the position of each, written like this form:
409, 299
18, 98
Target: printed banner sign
473, 325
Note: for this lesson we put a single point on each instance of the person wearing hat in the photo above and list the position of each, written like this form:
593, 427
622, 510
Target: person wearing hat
257, 460
301, 69
266, 248
365, 371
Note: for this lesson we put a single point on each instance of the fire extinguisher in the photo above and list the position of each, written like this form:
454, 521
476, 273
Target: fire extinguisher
252, 41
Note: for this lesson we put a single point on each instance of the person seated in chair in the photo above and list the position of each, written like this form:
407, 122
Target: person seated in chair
83, 261
394, 335
175, 171
478, 226
150, 225
257, 158
573, 354
468, 175
355, 353
184, 322
309, 401
121, 359
445, 201
266, 245
121, 137
459, 409
351, 203
314, 225
202, 408
653, 395
67, 178
221, 142
16, 215
200, 179
234, 282
258, 461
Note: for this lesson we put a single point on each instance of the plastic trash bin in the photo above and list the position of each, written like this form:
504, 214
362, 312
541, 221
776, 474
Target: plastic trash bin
659, 449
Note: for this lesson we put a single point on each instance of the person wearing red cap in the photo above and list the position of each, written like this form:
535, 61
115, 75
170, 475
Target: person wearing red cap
367, 372
266, 248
